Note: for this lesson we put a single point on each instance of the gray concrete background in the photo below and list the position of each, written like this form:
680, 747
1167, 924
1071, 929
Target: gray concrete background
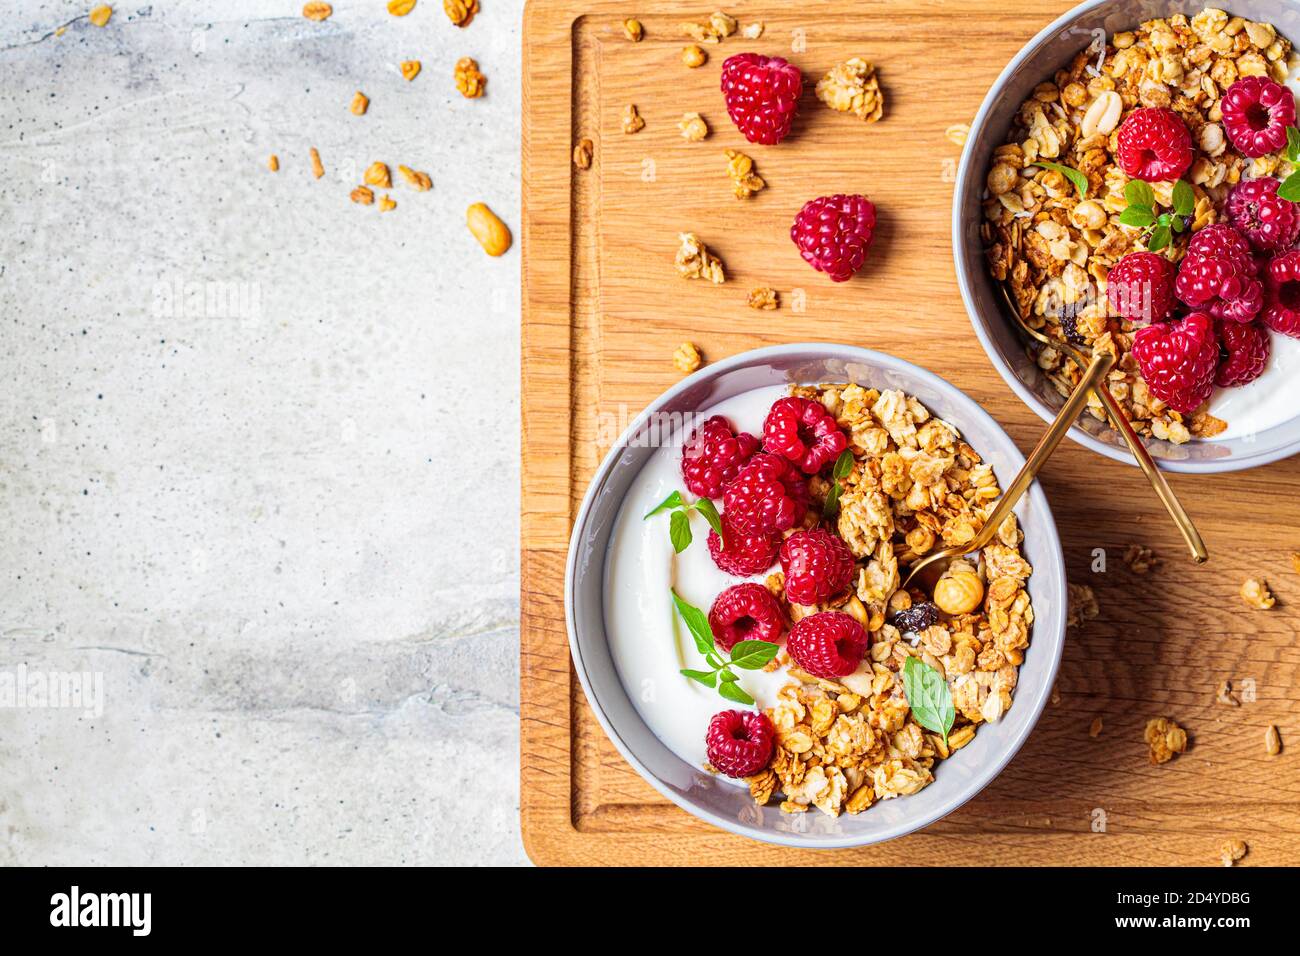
283, 527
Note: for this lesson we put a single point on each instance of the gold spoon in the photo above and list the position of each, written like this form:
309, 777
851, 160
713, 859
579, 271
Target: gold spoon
934, 564
1149, 468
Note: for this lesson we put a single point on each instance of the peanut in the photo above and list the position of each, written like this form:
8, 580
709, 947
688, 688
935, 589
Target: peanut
959, 592
633, 30
1102, 116
693, 56
491, 233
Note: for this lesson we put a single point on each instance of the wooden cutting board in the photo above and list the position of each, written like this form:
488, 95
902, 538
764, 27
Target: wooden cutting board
604, 310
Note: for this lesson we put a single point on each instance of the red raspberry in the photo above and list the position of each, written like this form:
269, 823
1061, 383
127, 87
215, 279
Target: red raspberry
745, 612
804, 432
1267, 220
743, 555
833, 234
1256, 113
1282, 309
817, 565
1154, 144
1221, 241
1177, 360
1141, 287
829, 644
768, 495
1243, 353
1226, 288
739, 742
762, 95
714, 455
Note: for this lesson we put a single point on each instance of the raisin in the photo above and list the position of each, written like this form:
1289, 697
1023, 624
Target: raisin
917, 617
1070, 329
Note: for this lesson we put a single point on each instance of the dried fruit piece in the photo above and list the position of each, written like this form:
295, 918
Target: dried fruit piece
317, 168
744, 181
693, 127
363, 195
852, 87
693, 56
377, 174
687, 358
415, 178
400, 8
633, 30
273, 164
460, 12
317, 11
916, 618
694, 261
582, 154
469, 80
360, 103
492, 234
632, 121
410, 69
100, 15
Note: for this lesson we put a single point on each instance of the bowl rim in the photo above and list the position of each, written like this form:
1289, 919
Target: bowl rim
1036, 702
1235, 462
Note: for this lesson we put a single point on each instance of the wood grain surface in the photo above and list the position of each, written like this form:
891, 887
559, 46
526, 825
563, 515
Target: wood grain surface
603, 312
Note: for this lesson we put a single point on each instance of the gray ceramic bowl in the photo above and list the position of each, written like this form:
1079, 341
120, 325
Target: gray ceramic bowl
729, 806
1041, 57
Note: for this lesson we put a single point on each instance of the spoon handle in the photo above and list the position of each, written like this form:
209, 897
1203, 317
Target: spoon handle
1101, 364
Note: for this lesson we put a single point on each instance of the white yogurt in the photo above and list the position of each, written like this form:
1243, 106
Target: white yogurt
1268, 401
649, 641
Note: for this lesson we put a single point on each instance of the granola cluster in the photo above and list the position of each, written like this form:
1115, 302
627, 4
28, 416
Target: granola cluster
915, 486
1054, 248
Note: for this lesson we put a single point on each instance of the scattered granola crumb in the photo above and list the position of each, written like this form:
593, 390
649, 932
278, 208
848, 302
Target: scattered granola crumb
693, 56
100, 15
718, 27
60, 31
752, 31
687, 358
1094, 729
410, 69
957, 133
1232, 851
317, 168
469, 80
694, 261
1256, 593
400, 8
632, 121
852, 86
360, 103
273, 164
363, 195
1205, 425
1295, 561
582, 154
377, 174
460, 12
419, 180
1165, 738
1140, 559
1226, 696
764, 297
693, 127
633, 30
1082, 605
317, 11
744, 181
1272, 741
1055, 697
386, 203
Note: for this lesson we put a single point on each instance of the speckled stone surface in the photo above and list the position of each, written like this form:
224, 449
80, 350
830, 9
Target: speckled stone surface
258, 445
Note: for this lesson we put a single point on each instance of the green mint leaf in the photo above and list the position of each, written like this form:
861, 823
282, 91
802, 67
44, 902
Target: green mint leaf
697, 623
1178, 223
728, 676
1138, 193
715, 661
1290, 190
672, 501
705, 507
1137, 216
679, 531
1292, 145
1183, 198
1159, 238
832, 504
707, 678
843, 464
751, 655
1079, 180
733, 691
928, 696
